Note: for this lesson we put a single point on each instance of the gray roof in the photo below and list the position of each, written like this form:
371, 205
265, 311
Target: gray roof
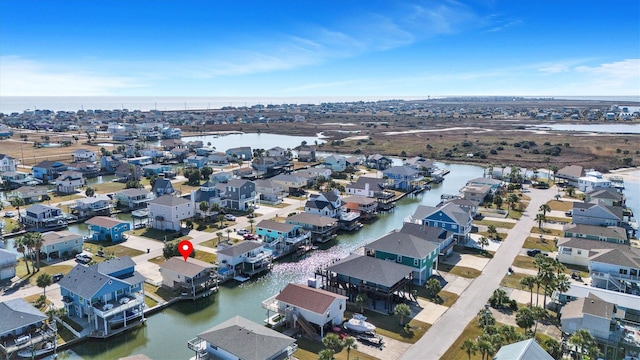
403, 244
247, 340
40, 208
274, 225
571, 170
54, 237
319, 204
629, 258
522, 350
238, 183
606, 193
312, 219
18, 313
169, 200
401, 170
613, 210
627, 301
425, 232
190, 267
240, 248
455, 212
375, 184
7, 257
114, 265
134, 192
613, 232
371, 270
360, 200
591, 305
161, 183
86, 281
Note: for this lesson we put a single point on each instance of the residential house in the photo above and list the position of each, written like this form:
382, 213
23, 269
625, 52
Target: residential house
161, 187
277, 151
41, 217
576, 251
128, 172
246, 173
467, 205
402, 178
7, 163
139, 161
179, 154
8, 263
406, 249
14, 179
269, 191
30, 193
221, 176
110, 163
364, 206
306, 154
445, 239
476, 193
593, 180
240, 153
337, 163
616, 269
612, 234
151, 153
423, 166
323, 228
171, 133
193, 278
271, 165
607, 196
292, 184
167, 212
366, 186
300, 303
217, 159
282, 238
18, 326
314, 173
69, 182
88, 169
195, 144
590, 313
170, 144
378, 279
107, 296
449, 217
205, 151
83, 155
378, 162
196, 161
239, 194
570, 174
522, 350
326, 203
206, 193
48, 170
627, 305
245, 258
105, 228
133, 198
122, 136
61, 245
154, 169
494, 184
596, 214
241, 339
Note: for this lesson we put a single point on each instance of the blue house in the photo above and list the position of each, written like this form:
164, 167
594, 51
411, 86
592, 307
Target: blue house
240, 153
109, 296
19, 321
196, 161
104, 228
110, 163
402, 177
282, 238
450, 217
48, 170
162, 186
154, 169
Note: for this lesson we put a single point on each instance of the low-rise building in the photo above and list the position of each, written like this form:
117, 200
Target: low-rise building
133, 198
61, 245
104, 228
41, 217
282, 238
30, 194
18, 326
87, 207
323, 228
8, 263
69, 182
245, 258
167, 212
83, 155
191, 277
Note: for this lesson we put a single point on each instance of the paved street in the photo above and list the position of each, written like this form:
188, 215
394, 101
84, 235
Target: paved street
452, 323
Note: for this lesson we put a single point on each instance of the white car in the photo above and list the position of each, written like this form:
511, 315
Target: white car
242, 231
124, 300
9, 214
107, 307
230, 217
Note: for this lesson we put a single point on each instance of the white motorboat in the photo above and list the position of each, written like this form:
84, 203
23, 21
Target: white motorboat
357, 323
28, 353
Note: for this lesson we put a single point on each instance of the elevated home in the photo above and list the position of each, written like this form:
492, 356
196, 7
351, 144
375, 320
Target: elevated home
313, 174
239, 194
271, 165
48, 170
445, 239
364, 206
576, 251
110, 163
14, 179
378, 162
221, 176
7, 163
423, 166
476, 193
337, 163
61, 245
373, 188
593, 180
241, 339
167, 212
325, 204
246, 173
162, 187
570, 174
282, 238
467, 205
240, 153
322, 228
41, 217
590, 313
607, 196
277, 151
170, 144
8, 263
109, 296
133, 198
449, 217
104, 228
297, 304
69, 182
380, 280
403, 178
207, 193
494, 184
245, 258
406, 249
522, 350
88, 169
306, 154
611, 234
128, 172
196, 161
292, 184
628, 305
597, 214
139, 161
192, 278
269, 191
617, 270
179, 154
83, 155
217, 159
30, 193
154, 169
20, 320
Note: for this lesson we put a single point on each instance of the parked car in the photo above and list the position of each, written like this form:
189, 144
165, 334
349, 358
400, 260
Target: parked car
242, 231
250, 236
9, 214
83, 259
56, 277
230, 217
533, 252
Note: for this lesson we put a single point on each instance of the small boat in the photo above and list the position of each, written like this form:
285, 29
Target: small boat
46, 348
358, 324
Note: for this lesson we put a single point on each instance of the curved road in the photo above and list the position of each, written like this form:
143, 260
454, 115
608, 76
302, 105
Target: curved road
441, 336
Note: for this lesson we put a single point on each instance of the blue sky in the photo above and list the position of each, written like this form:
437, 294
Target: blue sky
319, 48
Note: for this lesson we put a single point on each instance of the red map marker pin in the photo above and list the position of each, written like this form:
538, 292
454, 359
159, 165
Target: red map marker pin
186, 248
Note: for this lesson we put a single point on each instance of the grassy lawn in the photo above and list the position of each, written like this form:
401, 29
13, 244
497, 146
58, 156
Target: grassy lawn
160, 292
206, 257
21, 271
459, 270
156, 234
32, 299
501, 236
117, 250
109, 187
513, 281
559, 205
213, 243
389, 326
447, 298
150, 302
472, 331
514, 214
584, 272
524, 262
558, 219
498, 224
309, 349
544, 231
182, 186
533, 242
474, 251
158, 260
282, 205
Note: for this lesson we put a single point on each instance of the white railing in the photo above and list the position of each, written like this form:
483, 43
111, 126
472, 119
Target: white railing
271, 304
136, 299
298, 239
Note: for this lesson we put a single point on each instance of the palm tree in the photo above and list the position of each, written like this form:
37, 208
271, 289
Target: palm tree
508, 332
492, 231
538, 314
331, 341
540, 218
485, 348
547, 278
90, 191
221, 219
553, 348
483, 241
571, 191
469, 347
361, 301
529, 282
350, 343
402, 311
16, 202
204, 207
326, 354
219, 235
43, 281
513, 199
36, 241
525, 318
21, 246
562, 284
554, 170
583, 340
545, 209
485, 318
251, 222
433, 287
229, 231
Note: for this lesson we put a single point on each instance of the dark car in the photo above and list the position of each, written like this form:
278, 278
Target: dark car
533, 252
56, 277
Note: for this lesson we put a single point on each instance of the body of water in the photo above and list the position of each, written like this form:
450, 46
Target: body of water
255, 140
596, 128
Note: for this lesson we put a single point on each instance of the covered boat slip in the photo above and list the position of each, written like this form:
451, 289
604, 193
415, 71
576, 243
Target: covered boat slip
378, 279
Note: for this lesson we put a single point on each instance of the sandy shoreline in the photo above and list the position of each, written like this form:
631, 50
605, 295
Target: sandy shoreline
628, 174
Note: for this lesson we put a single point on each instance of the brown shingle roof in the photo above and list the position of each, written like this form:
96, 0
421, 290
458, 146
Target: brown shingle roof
189, 268
305, 297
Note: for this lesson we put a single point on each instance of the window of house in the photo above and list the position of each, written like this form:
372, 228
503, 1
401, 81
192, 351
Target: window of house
415, 262
399, 259
579, 252
623, 271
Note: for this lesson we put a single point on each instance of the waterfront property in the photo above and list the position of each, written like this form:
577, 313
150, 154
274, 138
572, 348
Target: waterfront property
590, 313
21, 325
154, 169
8, 263
612, 234
593, 180
269, 191
607, 196
167, 212
522, 350
291, 183
104, 228
364, 206
30, 194
110, 163
449, 217
313, 310
15, 179
41, 217
61, 245
403, 178
83, 155
380, 280
240, 153
8, 163
282, 238
476, 193
69, 182
48, 170
617, 270
245, 258
378, 162
239, 194
570, 174
133, 198
161, 187
445, 239
105, 298
597, 214
191, 278
322, 228
409, 250
87, 207
241, 339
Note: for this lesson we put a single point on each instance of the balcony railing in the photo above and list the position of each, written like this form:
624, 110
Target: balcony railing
616, 276
271, 304
297, 239
136, 299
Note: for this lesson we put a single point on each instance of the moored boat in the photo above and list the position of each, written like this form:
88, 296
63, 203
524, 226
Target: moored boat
358, 324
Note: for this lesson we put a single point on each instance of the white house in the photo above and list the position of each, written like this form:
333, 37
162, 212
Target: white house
69, 182
167, 212
246, 257
593, 180
8, 262
83, 155
192, 276
7, 163
590, 313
